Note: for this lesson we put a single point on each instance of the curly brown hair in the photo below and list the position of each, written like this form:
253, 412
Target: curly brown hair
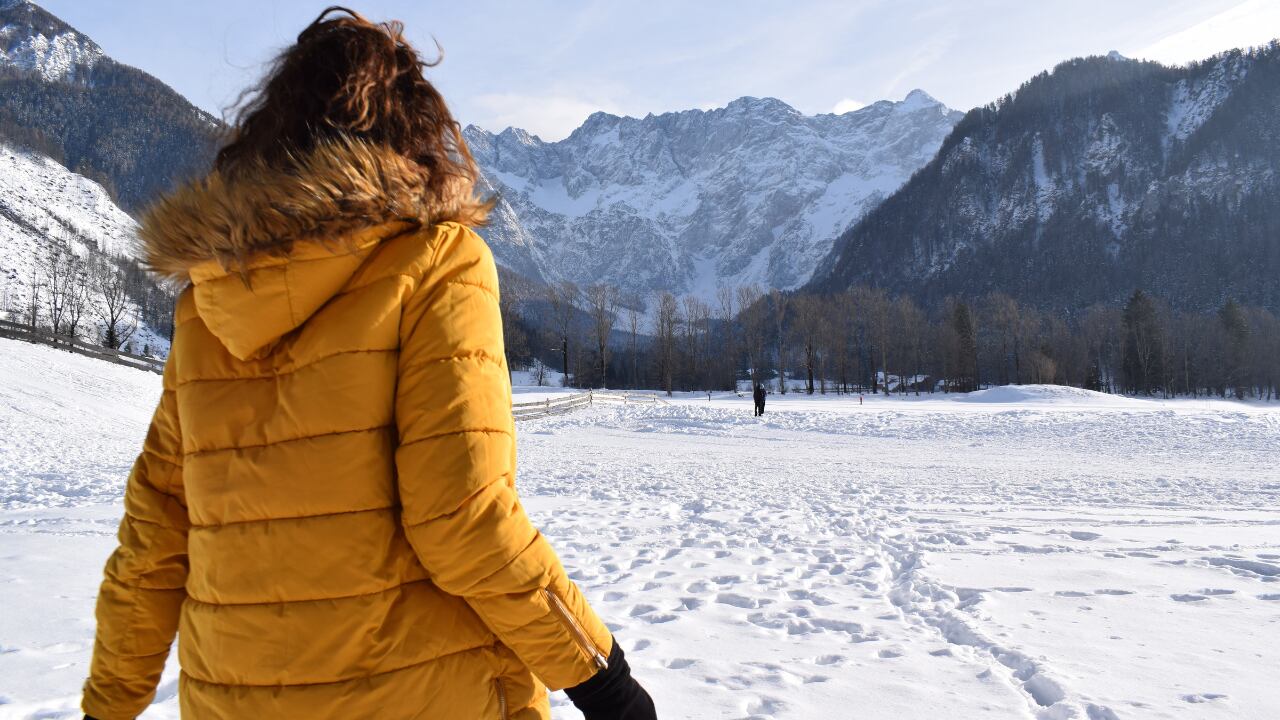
345, 79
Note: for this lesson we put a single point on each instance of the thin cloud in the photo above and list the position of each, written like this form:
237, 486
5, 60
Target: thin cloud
549, 117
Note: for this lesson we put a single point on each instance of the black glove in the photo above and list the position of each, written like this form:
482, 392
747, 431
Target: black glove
612, 694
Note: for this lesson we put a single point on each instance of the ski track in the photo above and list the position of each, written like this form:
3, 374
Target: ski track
1073, 558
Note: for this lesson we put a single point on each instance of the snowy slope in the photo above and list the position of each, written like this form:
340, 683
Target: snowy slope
43, 204
1039, 554
688, 201
35, 41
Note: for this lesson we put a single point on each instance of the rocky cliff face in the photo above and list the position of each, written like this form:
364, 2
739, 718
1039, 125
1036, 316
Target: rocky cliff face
689, 201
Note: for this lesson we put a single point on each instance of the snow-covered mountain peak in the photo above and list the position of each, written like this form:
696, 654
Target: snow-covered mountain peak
688, 201
33, 40
917, 99
764, 106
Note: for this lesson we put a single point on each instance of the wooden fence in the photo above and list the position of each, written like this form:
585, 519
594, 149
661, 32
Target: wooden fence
577, 401
16, 331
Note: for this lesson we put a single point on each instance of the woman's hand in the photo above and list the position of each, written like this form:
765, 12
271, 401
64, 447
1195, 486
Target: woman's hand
612, 694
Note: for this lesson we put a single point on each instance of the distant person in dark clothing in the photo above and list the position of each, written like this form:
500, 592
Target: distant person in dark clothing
759, 397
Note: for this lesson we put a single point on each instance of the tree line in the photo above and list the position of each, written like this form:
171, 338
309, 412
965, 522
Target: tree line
94, 297
864, 340
861, 340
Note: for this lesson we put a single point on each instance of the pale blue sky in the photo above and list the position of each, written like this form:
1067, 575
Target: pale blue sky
546, 64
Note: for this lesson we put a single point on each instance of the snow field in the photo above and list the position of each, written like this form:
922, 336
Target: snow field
1022, 553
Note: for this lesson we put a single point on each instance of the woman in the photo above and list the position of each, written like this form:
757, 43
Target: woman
324, 508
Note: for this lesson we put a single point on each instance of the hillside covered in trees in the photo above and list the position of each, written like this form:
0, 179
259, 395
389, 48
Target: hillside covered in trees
119, 126
864, 340
1098, 178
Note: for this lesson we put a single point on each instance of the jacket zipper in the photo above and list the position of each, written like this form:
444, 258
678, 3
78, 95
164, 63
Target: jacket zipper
502, 698
579, 635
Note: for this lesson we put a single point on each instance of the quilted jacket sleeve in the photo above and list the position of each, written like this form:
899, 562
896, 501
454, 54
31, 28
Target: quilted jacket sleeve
145, 583
456, 471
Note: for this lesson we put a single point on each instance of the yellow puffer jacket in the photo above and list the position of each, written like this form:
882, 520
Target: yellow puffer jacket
324, 510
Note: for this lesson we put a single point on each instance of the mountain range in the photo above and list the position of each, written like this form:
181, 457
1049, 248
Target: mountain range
1103, 175
62, 95
1100, 177
754, 192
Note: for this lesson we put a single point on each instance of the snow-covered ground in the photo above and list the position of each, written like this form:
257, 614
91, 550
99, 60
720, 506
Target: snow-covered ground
1019, 553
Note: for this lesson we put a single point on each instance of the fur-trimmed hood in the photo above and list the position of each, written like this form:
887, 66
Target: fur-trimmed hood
266, 249
340, 187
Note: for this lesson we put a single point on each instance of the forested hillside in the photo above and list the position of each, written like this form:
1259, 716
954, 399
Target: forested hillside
112, 123
1103, 176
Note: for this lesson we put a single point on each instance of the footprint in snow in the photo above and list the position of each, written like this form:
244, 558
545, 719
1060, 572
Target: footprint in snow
1188, 597
658, 618
1109, 591
738, 601
690, 604
764, 706
1071, 593
1204, 697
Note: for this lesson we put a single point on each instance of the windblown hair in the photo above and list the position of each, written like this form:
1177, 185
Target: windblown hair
349, 80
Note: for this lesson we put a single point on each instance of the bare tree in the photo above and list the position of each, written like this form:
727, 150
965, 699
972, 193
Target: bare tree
835, 338
514, 338
879, 311
112, 305
808, 311
665, 324
912, 329
602, 304
779, 300
57, 273
728, 346
635, 311
696, 317
32, 310
751, 322
563, 299
77, 299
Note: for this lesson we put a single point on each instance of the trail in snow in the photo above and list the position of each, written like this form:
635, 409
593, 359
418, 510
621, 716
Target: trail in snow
1027, 553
